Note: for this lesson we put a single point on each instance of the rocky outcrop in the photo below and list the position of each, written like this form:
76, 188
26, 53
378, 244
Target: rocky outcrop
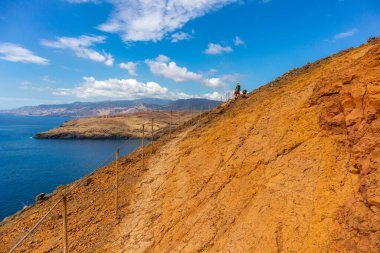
42, 197
350, 99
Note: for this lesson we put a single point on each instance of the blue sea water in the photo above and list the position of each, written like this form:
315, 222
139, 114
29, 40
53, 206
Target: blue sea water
30, 166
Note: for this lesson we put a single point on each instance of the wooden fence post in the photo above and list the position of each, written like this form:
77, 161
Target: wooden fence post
179, 119
171, 122
152, 136
142, 145
191, 115
117, 184
200, 114
65, 237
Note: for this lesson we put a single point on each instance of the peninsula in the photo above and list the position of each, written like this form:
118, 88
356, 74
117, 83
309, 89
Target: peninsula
119, 126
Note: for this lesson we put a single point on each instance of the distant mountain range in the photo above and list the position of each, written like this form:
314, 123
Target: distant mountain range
83, 109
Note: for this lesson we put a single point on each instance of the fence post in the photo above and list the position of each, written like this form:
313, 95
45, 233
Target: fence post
65, 238
117, 184
142, 145
200, 114
171, 122
152, 136
191, 115
179, 119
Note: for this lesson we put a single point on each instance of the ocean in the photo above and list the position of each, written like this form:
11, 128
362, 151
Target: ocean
31, 166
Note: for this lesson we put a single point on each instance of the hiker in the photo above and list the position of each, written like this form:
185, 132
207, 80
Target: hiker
237, 90
244, 93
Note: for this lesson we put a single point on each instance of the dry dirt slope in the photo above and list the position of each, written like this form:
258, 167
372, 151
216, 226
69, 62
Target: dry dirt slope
292, 168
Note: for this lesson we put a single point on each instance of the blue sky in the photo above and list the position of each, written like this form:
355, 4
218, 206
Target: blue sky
57, 51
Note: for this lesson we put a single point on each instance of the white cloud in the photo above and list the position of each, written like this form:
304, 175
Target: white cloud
109, 59
214, 82
217, 49
162, 58
238, 41
175, 37
15, 53
162, 66
346, 34
213, 96
114, 88
131, 67
81, 47
142, 20
118, 89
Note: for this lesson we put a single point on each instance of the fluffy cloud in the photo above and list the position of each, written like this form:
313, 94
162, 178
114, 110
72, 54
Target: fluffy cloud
215, 82
217, 49
162, 66
16, 53
131, 67
175, 37
213, 96
118, 88
238, 41
109, 59
114, 88
81, 47
142, 20
346, 34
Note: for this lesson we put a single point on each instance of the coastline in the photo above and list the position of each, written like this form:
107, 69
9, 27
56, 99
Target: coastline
117, 127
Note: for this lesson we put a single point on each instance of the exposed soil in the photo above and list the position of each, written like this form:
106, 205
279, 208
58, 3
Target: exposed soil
294, 167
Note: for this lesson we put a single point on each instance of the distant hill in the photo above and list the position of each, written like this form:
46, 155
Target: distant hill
107, 108
118, 126
194, 103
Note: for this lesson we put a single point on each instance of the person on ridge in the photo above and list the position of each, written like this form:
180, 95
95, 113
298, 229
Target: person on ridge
244, 93
237, 90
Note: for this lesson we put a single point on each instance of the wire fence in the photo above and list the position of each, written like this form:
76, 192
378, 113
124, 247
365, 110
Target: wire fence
164, 134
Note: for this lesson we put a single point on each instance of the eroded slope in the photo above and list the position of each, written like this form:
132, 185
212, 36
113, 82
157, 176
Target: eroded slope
294, 167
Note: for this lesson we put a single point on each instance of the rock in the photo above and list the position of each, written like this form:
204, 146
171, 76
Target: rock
41, 197
373, 41
354, 170
86, 182
374, 201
